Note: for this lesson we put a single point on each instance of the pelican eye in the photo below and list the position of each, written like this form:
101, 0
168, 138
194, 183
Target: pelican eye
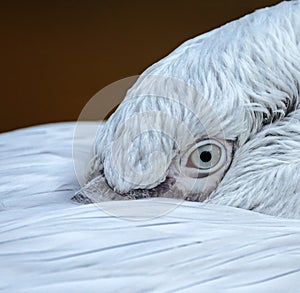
206, 156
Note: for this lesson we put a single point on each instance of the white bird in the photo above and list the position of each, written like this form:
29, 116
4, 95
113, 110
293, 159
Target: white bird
216, 121
49, 243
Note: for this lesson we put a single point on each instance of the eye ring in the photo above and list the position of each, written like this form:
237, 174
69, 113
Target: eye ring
205, 157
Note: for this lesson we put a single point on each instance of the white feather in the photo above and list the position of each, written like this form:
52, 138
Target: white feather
50, 244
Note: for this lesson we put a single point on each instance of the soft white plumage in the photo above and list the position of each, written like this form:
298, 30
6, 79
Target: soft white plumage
50, 244
237, 86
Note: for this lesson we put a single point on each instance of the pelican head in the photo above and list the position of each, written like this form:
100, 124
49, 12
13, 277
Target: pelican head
216, 121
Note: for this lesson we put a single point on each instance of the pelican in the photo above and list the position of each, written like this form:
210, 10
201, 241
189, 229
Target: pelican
211, 127
215, 121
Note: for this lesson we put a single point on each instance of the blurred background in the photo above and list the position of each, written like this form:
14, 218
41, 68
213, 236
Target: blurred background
55, 55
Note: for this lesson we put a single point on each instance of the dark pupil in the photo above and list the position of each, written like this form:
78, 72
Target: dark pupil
205, 156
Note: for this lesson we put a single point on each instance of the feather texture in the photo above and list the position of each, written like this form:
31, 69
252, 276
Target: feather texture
49, 243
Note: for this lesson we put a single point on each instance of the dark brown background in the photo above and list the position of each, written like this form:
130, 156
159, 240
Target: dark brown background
55, 55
